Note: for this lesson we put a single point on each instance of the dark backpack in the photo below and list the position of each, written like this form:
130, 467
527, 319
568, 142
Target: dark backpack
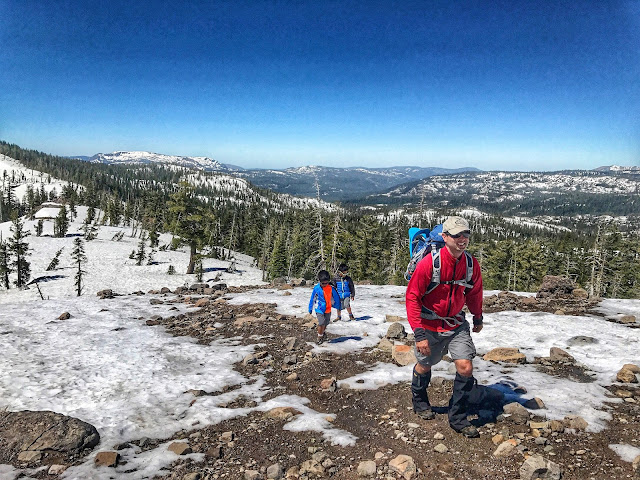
422, 242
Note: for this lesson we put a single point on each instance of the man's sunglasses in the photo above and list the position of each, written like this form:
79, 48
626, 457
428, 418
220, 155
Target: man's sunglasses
466, 234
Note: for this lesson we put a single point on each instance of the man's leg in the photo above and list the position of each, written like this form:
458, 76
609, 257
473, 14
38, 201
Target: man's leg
462, 351
420, 398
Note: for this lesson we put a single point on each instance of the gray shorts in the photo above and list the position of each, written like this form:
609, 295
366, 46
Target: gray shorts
323, 318
345, 303
459, 345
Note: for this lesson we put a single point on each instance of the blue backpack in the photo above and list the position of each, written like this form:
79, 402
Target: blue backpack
423, 241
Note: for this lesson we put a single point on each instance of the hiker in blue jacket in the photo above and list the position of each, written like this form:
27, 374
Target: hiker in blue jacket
346, 291
323, 297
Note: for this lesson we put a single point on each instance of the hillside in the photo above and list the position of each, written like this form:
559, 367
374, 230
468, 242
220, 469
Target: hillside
239, 380
567, 193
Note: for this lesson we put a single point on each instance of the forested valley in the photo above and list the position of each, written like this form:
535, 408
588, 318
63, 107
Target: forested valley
214, 214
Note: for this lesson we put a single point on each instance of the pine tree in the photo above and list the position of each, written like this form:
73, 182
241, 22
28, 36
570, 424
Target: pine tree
189, 220
19, 248
278, 261
53, 264
61, 224
141, 253
79, 258
5, 267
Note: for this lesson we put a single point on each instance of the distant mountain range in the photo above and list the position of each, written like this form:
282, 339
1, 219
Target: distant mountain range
393, 185
334, 183
606, 190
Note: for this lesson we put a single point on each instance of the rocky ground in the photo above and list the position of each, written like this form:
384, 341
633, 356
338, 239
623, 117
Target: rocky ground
392, 442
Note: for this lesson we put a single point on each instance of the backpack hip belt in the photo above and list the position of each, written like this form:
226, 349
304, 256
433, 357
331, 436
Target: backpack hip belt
451, 322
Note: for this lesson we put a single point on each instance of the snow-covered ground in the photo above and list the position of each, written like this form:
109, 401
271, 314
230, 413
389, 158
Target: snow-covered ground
106, 367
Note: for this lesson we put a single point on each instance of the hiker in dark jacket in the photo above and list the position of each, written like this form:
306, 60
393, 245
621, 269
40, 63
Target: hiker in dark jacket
439, 324
346, 291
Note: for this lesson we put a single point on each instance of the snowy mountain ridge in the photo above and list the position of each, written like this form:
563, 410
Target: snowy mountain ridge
133, 158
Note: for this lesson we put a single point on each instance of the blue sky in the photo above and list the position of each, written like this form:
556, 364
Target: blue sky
514, 85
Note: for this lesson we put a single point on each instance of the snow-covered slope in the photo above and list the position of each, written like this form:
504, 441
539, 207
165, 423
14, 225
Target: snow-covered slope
132, 158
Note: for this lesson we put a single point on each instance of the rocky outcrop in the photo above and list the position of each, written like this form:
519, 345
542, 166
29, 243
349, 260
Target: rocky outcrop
43, 432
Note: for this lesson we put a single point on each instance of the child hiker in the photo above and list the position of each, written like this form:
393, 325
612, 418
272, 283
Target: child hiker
346, 291
323, 296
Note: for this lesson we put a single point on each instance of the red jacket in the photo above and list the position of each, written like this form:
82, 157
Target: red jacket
444, 300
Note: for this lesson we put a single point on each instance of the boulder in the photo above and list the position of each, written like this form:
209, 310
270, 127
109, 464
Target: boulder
385, 345
396, 331
394, 318
626, 375
508, 355
64, 316
367, 468
576, 422
39, 431
281, 413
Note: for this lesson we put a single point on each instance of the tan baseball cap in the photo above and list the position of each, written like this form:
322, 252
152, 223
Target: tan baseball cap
455, 225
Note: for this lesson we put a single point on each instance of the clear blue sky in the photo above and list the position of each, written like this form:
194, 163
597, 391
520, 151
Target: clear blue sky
513, 85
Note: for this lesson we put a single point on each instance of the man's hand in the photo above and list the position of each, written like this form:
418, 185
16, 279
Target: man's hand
423, 347
477, 328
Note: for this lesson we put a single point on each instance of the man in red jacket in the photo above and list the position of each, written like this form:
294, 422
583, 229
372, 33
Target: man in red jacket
435, 314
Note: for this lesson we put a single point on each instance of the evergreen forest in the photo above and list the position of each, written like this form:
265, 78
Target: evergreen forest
213, 214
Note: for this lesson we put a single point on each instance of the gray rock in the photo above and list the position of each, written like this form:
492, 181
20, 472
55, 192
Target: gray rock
537, 467
367, 468
38, 431
275, 472
581, 340
518, 414
396, 331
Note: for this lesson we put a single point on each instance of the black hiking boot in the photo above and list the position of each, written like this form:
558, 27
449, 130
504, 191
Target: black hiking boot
426, 414
469, 431
321, 339
351, 317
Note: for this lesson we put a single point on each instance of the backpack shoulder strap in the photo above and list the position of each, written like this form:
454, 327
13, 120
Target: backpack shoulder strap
435, 275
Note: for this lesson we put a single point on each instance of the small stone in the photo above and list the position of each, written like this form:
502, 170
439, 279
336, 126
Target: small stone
214, 452
180, 448
107, 459
56, 469
404, 466
497, 439
251, 475
275, 472
227, 437
438, 436
441, 448
505, 449
30, 456
367, 468
192, 476
64, 316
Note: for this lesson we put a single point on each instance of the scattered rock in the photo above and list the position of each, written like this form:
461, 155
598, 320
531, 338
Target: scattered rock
404, 466
64, 316
202, 302
29, 456
275, 472
56, 469
179, 448
626, 375
508, 355
441, 448
385, 345
396, 331
576, 422
394, 318
367, 468
281, 413
537, 467
329, 384
558, 355
403, 354
517, 413
107, 459
506, 448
